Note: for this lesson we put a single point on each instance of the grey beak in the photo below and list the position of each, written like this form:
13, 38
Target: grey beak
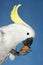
28, 41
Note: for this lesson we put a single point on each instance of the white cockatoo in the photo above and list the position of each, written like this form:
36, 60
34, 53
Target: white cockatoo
13, 34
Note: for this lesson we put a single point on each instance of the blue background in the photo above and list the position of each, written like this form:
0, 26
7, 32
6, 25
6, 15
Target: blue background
31, 12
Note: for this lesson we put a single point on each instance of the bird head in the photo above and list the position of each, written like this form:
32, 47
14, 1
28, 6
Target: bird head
27, 33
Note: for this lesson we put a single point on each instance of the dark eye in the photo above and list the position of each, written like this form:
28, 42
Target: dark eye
27, 33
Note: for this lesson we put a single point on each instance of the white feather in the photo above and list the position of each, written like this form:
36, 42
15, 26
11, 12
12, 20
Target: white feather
11, 57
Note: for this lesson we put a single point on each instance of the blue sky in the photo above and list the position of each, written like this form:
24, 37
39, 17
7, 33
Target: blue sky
31, 12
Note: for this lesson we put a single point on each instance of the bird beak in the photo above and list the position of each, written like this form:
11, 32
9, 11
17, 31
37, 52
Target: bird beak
26, 48
28, 41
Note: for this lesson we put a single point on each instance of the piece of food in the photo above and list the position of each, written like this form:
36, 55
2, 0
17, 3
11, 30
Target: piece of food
25, 48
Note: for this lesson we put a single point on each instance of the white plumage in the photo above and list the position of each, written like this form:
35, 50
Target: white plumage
11, 35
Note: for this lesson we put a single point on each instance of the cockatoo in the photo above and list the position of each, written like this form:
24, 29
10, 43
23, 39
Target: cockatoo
13, 34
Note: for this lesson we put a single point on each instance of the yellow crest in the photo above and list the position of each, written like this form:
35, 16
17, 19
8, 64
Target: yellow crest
15, 17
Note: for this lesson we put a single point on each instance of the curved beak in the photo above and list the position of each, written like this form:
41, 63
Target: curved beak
28, 41
26, 48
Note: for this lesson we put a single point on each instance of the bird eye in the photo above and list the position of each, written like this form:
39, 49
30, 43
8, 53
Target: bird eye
27, 33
